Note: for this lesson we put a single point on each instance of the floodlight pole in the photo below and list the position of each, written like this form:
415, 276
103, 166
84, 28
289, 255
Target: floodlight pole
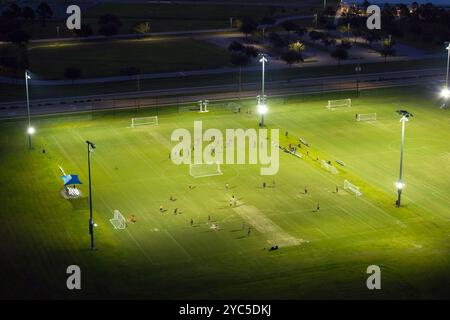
446, 89
404, 119
27, 76
90, 148
448, 65
358, 71
262, 98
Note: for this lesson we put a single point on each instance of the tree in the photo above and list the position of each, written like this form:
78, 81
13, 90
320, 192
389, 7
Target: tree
18, 37
296, 47
316, 35
85, 31
329, 11
291, 57
251, 51
28, 14
289, 26
109, 24
372, 36
328, 41
12, 11
44, 12
247, 26
301, 31
277, 40
387, 51
340, 53
141, 28
236, 46
72, 73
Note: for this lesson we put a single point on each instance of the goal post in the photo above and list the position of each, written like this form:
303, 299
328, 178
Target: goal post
200, 170
328, 167
118, 221
352, 188
143, 121
203, 104
339, 103
366, 117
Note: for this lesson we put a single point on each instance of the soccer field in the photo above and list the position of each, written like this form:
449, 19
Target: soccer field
322, 254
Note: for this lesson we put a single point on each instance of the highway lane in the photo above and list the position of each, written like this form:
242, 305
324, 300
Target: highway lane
180, 96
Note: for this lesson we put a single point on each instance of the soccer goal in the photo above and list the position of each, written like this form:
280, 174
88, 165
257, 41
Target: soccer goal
203, 104
366, 117
236, 107
199, 170
352, 188
144, 121
329, 167
339, 103
118, 221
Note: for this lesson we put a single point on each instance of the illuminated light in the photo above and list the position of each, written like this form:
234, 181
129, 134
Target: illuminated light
95, 225
262, 108
31, 130
399, 185
445, 93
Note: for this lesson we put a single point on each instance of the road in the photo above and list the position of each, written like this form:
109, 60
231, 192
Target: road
179, 96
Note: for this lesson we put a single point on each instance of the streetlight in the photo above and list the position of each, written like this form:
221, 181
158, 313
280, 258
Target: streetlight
399, 184
90, 149
358, 71
261, 106
445, 93
30, 129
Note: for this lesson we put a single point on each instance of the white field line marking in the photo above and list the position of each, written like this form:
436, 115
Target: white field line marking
266, 226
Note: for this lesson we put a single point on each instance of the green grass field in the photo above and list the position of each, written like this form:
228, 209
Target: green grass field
322, 254
148, 55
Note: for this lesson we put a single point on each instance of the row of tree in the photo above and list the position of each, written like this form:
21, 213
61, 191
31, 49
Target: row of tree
425, 22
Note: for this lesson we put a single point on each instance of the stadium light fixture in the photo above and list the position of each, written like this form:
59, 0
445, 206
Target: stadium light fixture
30, 129
92, 225
399, 184
445, 93
262, 109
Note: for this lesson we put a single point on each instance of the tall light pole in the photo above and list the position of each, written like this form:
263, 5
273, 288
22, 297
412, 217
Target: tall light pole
358, 71
30, 129
90, 149
399, 184
261, 106
445, 93
448, 64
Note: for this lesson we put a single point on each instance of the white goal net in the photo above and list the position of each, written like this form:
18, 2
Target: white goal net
118, 221
366, 117
328, 167
199, 170
143, 121
339, 103
352, 188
